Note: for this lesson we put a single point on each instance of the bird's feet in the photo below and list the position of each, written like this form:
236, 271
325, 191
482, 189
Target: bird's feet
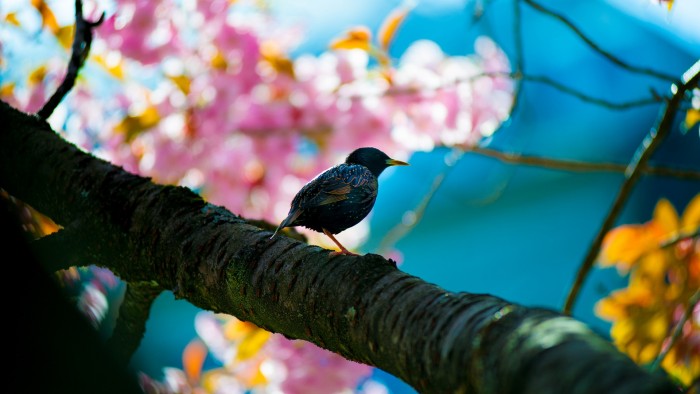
342, 252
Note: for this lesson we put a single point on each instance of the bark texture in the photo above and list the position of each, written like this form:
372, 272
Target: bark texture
361, 307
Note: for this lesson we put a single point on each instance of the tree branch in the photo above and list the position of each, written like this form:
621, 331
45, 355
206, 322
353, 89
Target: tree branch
80, 49
580, 166
590, 99
133, 315
361, 307
614, 59
632, 173
694, 299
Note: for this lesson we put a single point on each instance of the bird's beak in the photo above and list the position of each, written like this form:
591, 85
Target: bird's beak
393, 162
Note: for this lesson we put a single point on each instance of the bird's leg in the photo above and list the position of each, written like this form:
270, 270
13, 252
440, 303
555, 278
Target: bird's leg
342, 248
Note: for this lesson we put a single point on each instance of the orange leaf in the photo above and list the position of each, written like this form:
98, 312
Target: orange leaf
218, 61
276, 59
692, 117
624, 245
666, 217
193, 359
236, 330
135, 125
37, 76
691, 216
252, 344
387, 31
64, 35
7, 89
11, 18
355, 38
182, 82
48, 19
115, 66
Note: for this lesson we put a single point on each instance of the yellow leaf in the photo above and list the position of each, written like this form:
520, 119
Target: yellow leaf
7, 89
135, 125
116, 69
37, 76
355, 38
624, 245
387, 31
182, 82
651, 269
276, 59
252, 343
666, 217
48, 19
193, 359
685, 369
11, 18
691, 216
236, 330
64, 35
692, 117
219, 62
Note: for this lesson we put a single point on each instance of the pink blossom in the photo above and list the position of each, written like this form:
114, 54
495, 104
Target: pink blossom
312, 370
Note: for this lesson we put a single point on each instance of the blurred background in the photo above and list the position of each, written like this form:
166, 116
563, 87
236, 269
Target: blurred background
515, 231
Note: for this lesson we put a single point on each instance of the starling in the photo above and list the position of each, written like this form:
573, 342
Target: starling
341, 196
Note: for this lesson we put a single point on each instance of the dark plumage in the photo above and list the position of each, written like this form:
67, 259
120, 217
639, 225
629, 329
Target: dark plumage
341, 196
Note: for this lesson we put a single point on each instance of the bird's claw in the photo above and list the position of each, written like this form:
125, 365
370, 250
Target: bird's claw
342, 252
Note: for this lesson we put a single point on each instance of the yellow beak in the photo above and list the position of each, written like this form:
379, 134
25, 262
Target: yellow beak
393, 162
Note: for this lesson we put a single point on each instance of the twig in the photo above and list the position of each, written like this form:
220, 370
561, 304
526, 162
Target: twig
516, 75
596, 47
632, 173
579, 166
694, 299
82, 40
591, 99
519, 59
679, 237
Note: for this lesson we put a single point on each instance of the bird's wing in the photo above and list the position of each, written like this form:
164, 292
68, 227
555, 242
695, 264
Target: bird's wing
335, 185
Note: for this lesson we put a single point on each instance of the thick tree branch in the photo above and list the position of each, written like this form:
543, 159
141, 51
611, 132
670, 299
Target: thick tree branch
361, 307
634, 170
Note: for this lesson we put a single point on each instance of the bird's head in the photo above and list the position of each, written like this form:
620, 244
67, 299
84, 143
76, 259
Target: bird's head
374, 159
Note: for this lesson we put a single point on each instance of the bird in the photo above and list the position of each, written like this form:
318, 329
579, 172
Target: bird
341, 196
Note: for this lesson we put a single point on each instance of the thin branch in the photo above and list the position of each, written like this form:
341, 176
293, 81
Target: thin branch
590, 99
597, 48
516, 75
632, 173
694, 299
579, 166
82, 40
680, 237
519, 59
